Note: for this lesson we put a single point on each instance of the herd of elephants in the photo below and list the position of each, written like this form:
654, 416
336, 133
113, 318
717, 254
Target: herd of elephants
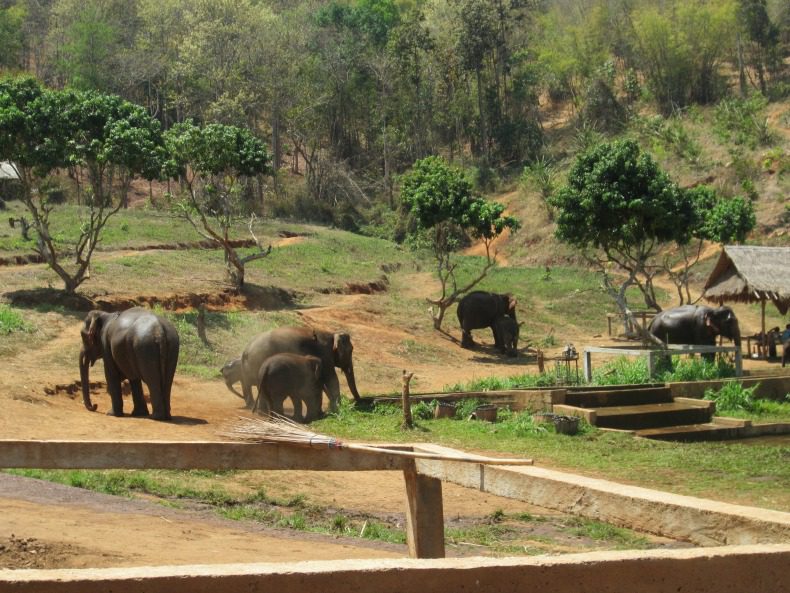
299, 363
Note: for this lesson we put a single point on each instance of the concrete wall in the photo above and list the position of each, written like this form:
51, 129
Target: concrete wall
771, 387
741, 569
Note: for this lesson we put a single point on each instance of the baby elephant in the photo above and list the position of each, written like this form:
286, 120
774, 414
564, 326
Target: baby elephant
290, 375
506, 332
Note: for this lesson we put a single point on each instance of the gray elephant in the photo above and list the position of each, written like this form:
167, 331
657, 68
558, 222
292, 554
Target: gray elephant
697, 325
290, 375
135, 345
231, 372
507, 329
480, 309
333, 349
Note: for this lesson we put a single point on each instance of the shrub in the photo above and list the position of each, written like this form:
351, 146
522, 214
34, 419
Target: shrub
741, 121
11, 321
734, 397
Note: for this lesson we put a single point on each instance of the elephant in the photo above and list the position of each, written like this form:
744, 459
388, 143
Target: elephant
697, 325
507, 330
480, 309
135, 345
333, 349
231, 372
290, 375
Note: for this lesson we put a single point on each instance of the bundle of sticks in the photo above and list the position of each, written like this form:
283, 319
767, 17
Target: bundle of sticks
278, 429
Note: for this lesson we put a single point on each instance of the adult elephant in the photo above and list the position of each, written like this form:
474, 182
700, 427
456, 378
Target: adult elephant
697, 325
290, 375
333, 349
480, 309
135, 345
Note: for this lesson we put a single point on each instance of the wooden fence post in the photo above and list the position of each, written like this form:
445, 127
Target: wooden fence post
424, 514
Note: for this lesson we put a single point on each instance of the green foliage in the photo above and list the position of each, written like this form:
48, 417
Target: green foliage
618, 199
11, 35
437, 193
215, 150
11, 321
671, 134
679, 46
736, 400
741, 122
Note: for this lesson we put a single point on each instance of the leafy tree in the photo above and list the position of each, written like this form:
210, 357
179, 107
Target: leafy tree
443, 203
714, 219
679, 49
763, 38
43, 130
11, 36
619, 207
212, 161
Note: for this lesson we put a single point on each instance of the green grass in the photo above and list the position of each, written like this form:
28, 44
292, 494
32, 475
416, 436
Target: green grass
748, 474
12, 321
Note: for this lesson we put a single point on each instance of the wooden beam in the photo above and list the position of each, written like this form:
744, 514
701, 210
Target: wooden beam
424, 514
731, 569
188, 455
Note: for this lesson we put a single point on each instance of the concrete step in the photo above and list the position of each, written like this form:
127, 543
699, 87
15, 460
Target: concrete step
708, 431
643, 416
618, 397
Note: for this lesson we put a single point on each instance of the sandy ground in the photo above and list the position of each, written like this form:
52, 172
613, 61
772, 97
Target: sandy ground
44, 525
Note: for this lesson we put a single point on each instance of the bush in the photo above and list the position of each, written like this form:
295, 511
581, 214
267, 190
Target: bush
741, 121
734, 397
11, 321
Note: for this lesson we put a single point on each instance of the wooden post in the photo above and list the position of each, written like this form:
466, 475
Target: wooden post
424, 514
587, 366
763, 344
738, 363
408, 422
541, 359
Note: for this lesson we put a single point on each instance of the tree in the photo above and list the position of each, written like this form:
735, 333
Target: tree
43, 130
212, 161
443, 204
619, 208
717, 219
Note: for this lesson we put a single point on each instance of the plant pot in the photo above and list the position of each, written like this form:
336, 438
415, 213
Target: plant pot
566, 424
487, 413
444, 410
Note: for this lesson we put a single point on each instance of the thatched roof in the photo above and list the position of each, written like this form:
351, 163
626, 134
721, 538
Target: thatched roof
7, 171
749, 274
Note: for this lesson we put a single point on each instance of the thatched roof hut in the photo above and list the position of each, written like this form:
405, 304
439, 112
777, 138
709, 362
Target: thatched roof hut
751, 274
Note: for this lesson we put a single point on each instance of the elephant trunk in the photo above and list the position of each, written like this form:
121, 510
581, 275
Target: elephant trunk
352, 382
85, 381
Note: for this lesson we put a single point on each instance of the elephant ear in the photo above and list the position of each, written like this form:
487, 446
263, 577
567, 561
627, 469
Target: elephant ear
341, 349
712, 327
93, 324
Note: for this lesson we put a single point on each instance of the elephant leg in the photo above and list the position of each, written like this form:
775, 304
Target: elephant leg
297, 406
497, 338
313, 402
466, 338
332, 389
140, 407
113, 377
246, 390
